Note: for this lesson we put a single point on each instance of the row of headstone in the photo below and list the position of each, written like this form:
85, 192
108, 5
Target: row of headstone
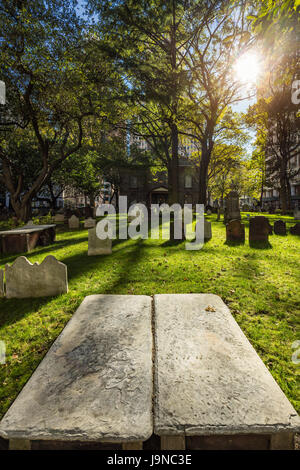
24, 279
259, 230
74, 222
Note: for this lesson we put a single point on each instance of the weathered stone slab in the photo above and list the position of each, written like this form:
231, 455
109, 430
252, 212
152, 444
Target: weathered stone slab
24, 279
73, 222
95, 383
26, 238
235, 231
1, 283
279, 227
59, 218
89, 223
97, 246
207, 230
208, 378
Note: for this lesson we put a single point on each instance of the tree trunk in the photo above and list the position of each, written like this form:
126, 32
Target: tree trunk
173, 177
92, 200
22, 209
289, 194
203, 176
283, 194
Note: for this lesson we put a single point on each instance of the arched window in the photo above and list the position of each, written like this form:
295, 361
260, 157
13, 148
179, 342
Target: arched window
188, 181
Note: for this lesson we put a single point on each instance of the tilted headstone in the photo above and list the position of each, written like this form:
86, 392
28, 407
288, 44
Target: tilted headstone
279, 227
24, 279
235, 231
30, 223
89, 223
96, 246
1, 283
73, 222
259, 229
59, 218
232, 210
295, 230
207, 230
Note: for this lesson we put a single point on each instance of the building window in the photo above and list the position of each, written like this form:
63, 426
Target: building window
133, 182
188, 181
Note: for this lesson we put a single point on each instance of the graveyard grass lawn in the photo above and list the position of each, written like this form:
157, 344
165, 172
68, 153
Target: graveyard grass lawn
260, 286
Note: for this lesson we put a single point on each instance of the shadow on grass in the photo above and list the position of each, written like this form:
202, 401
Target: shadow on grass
234, 243
260, 245
19, 308
43, 249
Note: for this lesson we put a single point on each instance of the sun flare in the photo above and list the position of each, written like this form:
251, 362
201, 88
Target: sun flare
247, 68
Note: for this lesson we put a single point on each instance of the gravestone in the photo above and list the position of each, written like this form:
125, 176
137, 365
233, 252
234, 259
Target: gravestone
1, 283
208, 212
235, 231
59, 218
279, 227
295, 230
97, 246
30, 223
89, 223
24, 279
73, 222
297, 214
259, 229
232, 209
209, 380
95, 383
207, 230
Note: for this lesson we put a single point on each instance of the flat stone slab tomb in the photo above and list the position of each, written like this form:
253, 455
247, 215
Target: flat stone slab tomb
212, 391
95, 383
25, 239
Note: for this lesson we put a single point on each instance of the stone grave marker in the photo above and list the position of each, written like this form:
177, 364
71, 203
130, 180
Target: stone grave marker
59, 218
95, 382
96, 246
232, 209
207, 230
235, 231
24, 279
279, 227
209, 381
73, 222
295, 230
89, 223
259, 229
297, 214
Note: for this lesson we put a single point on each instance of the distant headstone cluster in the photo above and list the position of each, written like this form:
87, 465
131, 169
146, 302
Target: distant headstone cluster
259, 230
24, 279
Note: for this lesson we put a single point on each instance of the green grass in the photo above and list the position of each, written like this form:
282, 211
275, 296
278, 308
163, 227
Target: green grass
260, 286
